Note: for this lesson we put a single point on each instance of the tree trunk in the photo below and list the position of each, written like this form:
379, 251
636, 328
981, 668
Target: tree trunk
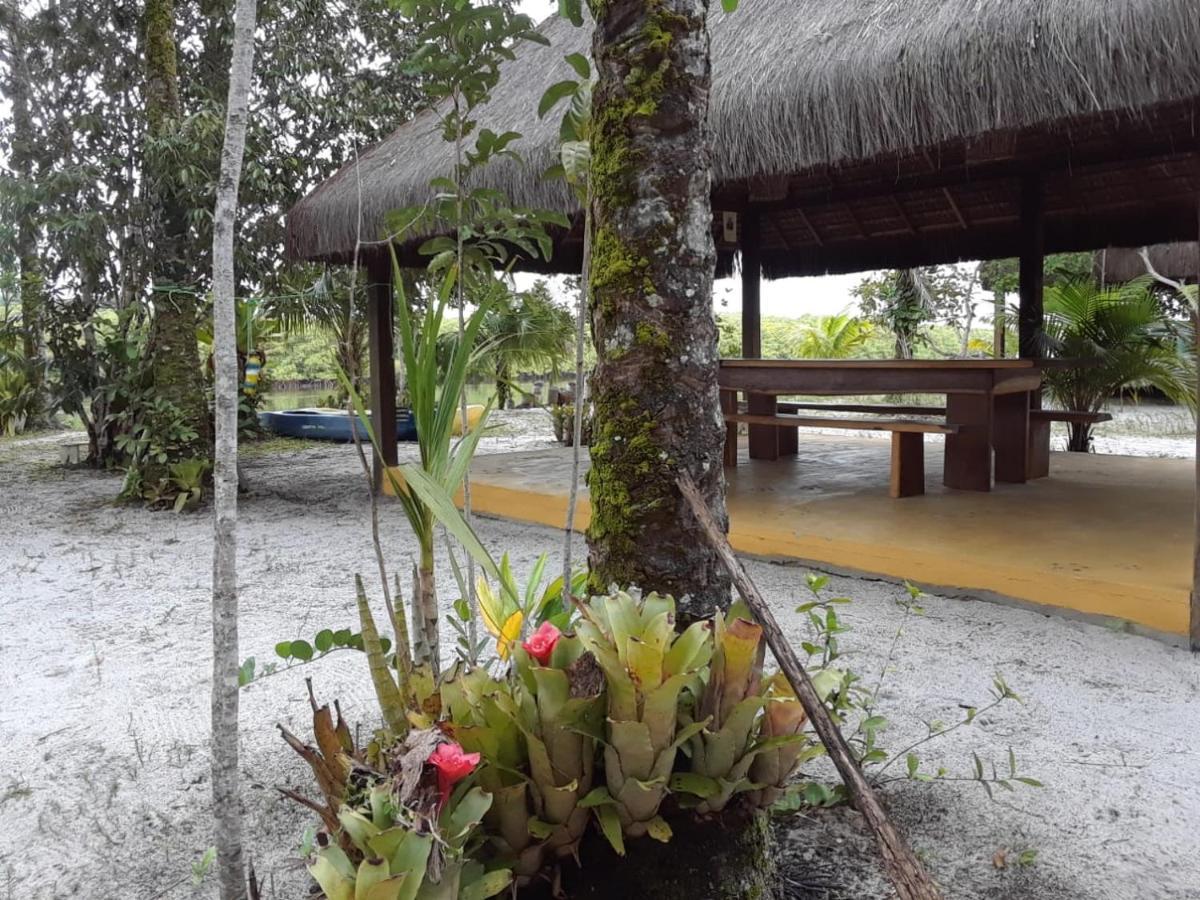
426, 609
1079, 437
657, 411
22, 158
227, 812
175, 362
730, 857
576, 438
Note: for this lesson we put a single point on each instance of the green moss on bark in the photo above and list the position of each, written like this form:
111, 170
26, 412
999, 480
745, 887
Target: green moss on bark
654, 388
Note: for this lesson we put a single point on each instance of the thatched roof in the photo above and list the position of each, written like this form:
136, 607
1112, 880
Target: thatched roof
812, 88
1178, 261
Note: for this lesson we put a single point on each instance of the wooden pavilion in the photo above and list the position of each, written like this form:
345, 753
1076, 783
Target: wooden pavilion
856, 135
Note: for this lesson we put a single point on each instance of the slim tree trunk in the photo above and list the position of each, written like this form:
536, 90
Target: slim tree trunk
580, 394
657, 411
22, 159
226, 802
175, 358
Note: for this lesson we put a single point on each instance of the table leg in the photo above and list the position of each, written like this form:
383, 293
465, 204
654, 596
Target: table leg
968, 459
789, 440
1010, 437
729, 405
1039, 442
764, 439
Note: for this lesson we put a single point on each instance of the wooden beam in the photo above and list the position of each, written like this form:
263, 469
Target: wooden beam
903, 214
380, 321
904, 869
809, 225
962, 221
750, 241
1194, 629
1032, 260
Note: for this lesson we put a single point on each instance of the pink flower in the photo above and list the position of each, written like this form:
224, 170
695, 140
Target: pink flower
541, 643
453, 765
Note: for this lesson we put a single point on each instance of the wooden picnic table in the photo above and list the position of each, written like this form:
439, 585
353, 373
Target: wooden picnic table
989, 400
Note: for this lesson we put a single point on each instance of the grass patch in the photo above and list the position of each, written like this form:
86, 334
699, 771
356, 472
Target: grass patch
274, 445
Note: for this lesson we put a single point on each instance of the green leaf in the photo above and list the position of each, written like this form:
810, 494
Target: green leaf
580, 64
301, 650
729, 5
554, 94
913, 763
491, 884
658, 829
323, 640
692, 783
283, 649
597, 797
572, 10
246, 672
610, 826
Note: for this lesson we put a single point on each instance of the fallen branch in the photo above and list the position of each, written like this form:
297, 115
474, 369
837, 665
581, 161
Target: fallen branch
906, 873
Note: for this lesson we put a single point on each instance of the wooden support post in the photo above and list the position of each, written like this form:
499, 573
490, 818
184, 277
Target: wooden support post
968, 454
1010, 436
1031, 317
905, 871
764, 439
380, 325
750, 243
1032, 262
1194, 629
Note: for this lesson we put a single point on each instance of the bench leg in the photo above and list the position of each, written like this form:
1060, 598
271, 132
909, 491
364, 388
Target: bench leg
908, 464
968, 464
764, 439
1010, 436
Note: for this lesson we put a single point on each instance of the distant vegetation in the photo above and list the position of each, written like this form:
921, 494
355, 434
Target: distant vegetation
807, 337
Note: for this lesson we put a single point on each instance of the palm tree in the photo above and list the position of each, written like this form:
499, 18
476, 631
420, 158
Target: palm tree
1129, 341
834, 337
524, 331
335, 307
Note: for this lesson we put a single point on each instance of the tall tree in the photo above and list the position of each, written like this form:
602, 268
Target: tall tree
657, 410
226, 803
22, 160
175, 361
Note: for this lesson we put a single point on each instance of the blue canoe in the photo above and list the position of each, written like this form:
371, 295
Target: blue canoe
322, 424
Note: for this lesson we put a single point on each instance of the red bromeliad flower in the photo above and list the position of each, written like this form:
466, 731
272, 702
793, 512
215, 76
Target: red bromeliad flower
453, 765
541, 643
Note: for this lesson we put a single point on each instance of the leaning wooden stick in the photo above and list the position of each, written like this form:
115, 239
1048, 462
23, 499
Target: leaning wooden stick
907, 874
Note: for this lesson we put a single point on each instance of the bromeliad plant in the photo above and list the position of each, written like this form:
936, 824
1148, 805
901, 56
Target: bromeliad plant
736, 735
646, 665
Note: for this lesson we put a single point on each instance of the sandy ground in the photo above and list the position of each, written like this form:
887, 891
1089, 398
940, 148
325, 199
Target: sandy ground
104, 670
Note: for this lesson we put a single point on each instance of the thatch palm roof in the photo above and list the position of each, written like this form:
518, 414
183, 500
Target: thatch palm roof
1178, 261
809, 89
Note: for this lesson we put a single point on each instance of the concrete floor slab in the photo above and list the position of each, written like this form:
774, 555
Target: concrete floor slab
1103, 535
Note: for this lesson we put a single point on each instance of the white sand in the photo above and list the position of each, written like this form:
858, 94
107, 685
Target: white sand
104, 670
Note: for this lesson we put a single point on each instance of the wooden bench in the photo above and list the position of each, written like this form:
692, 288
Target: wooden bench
1072, 416
873, 408
908, 443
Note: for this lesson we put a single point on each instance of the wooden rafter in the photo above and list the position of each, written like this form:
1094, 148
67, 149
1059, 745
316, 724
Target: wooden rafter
962, 221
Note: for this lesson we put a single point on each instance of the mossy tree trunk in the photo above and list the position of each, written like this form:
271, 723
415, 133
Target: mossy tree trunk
23, 159
657, 411
175, 362
730, 857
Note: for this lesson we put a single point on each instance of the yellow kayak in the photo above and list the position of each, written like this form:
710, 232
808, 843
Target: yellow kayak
474, 414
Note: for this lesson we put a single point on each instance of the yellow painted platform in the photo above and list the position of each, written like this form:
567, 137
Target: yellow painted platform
1104, 535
